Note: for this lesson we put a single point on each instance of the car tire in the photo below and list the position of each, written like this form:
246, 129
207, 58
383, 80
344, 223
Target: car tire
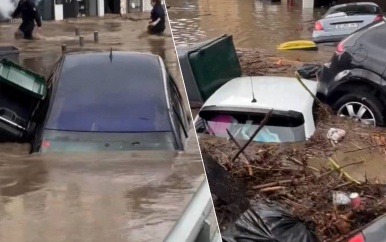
366, 99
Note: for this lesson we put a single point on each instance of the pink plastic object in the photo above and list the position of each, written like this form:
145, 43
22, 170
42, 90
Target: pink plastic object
355, 200
220, 123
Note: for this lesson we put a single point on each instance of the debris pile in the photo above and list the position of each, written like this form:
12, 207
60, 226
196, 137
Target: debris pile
283, 173
256, 63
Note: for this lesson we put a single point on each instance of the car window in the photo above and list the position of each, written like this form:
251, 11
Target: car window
279, 129
355, 9
102, 96
178, 106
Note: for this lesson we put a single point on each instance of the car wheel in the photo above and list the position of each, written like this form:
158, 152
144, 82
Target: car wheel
361, 107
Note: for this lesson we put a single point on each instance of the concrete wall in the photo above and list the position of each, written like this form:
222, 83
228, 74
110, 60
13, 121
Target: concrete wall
308, 4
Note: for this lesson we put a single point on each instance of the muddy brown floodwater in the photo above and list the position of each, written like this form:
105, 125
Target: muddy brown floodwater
123, 196
256, 24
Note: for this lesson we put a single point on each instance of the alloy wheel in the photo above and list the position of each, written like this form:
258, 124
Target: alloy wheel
358, 112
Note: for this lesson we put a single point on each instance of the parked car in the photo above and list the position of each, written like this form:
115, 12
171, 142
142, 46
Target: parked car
242, 103
342, 20
109, 101
354, 81
374, 232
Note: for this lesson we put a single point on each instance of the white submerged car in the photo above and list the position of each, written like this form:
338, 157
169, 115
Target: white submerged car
242, 103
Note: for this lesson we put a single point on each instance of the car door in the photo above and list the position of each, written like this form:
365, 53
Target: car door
41, 111
179, 113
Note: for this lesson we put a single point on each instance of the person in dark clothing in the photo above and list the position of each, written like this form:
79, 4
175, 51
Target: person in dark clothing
157, 23
29, 14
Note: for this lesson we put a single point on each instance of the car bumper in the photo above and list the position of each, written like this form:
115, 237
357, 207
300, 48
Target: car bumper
329, 38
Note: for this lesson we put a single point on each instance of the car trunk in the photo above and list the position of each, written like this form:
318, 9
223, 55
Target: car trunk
20, 93
206, 66
347, 23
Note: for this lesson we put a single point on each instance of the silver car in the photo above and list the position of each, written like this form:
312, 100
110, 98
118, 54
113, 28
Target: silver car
342, 20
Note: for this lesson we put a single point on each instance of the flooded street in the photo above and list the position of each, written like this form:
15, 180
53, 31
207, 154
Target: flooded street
256, 24
262, 25
124, 196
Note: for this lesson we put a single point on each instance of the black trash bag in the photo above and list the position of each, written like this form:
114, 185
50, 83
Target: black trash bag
309, 71
268, 222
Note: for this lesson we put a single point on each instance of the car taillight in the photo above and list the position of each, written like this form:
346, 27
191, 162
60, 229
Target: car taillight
45, 144
357, 238
339, 48
318, 26
378, 17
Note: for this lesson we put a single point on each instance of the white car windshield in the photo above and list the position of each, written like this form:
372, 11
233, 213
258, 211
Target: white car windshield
279, 129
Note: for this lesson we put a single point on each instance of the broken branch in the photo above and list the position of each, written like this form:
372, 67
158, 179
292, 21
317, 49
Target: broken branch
263, 122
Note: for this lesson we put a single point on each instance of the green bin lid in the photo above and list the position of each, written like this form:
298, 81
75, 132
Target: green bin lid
23, 79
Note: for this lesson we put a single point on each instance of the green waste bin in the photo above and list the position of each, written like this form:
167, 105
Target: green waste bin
207, 66
21, 91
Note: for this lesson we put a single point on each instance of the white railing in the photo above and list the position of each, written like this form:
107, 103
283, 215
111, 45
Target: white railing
193, 225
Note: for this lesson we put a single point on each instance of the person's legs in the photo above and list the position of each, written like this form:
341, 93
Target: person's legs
29, 31
26, 29
19, 34
155, 30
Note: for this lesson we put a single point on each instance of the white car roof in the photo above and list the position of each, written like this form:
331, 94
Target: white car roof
271, 92
279, 93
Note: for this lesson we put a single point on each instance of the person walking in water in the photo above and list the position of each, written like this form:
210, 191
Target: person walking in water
157, 23
29, 14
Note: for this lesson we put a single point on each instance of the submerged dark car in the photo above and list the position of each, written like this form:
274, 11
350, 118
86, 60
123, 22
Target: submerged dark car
354, 81
110, 101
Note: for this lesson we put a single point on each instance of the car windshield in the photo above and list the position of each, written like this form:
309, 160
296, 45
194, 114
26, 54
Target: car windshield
66, 141
279, 129
355, 9
99, 95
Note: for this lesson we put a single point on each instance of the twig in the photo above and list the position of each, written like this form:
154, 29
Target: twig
339, 168
298, 77
278, 183
263, 122
294, 203
352, 233
245, 154
364, 148
294, 160
271, 189
344, 173
343, 185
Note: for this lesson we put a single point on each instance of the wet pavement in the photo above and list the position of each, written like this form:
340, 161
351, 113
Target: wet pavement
256, 24
123, 196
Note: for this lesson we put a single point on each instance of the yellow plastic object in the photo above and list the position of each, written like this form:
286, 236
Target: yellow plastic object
298, 45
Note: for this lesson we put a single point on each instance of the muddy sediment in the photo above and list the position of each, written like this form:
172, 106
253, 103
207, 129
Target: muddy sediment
288, 174
257, 63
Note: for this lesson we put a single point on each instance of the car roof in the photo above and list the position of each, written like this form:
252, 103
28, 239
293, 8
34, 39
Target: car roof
278, 93
125, 91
